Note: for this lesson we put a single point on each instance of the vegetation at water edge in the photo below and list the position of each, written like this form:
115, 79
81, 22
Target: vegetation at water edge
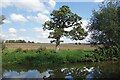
43, 56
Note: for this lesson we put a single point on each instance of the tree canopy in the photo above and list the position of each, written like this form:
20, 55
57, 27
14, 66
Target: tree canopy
105, 24
61, 20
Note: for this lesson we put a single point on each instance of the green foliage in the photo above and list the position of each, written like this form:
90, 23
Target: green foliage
39, 50
105, 28
18, 50
42, 56
105, 24
62, 19
108, 53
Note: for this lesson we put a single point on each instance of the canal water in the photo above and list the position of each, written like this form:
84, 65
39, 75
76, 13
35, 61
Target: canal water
81, 71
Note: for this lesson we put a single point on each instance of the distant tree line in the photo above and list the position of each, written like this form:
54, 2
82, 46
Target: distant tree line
87, 43
77, 43
30, 42
18, 41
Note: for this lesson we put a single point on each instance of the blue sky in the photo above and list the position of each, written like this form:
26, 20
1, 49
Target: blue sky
24, 18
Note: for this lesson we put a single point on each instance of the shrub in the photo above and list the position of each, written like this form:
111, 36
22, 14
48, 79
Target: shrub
18, 50
106, 53
39, 50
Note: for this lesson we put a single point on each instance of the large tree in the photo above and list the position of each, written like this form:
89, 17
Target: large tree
61, 20
105, 24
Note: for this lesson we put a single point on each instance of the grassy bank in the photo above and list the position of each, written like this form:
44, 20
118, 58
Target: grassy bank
43, 56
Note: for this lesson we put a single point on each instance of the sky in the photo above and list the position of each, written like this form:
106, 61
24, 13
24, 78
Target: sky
24, 18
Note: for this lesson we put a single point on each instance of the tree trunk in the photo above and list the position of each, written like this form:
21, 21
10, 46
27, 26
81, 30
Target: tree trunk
57, 44
57, 48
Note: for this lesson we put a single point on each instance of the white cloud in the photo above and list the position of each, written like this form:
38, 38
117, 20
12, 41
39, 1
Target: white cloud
84, 24
12, 30
2, 36
41, 18
99, 0
17, 18
42, 33
37, 29
52, 3
29, 5
12, 35
22, 30
5, 3
7, 21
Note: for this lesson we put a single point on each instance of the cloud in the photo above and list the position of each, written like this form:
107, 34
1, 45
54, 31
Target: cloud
84, 24
17, 18
6, 21
42, 33
29, 5
5, 3
41, 18
99, 0
2, 36
22, 30
52, 3
12, 30
37, 29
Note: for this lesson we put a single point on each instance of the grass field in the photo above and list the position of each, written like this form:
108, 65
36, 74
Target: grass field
43, 56
44, 53
49, 46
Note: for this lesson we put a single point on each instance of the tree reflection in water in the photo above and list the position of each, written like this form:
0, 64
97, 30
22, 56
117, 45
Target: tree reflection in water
85, 72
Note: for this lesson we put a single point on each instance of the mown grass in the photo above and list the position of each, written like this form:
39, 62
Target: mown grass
43, 56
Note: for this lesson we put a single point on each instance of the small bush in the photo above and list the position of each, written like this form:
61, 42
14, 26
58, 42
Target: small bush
25, 51
107, 53
39, 50
18, 50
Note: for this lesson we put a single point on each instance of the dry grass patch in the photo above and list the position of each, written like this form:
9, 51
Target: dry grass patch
49, 46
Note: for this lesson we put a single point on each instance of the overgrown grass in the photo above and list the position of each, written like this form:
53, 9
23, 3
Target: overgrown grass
43, 56
108, 53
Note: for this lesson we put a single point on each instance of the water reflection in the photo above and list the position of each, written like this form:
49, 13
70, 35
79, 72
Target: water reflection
68, 73
85, 72
28, 74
